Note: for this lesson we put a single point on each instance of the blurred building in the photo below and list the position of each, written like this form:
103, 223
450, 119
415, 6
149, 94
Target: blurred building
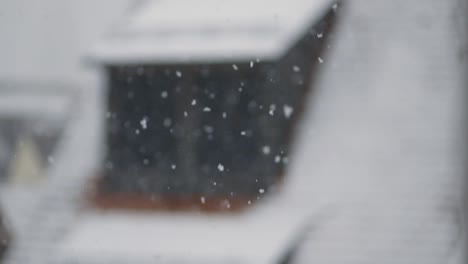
379, 148
203, 104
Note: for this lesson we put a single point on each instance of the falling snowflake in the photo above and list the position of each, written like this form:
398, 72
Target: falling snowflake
173, 166
266, 150
272, 109
320, 60
277, 159
144, 123
288, 111
194, 102
261, 191
319, 35
296, 68
167, 122
226, 204
164, 94
206, 109
179, 74
208, 129
234, 66
220, 167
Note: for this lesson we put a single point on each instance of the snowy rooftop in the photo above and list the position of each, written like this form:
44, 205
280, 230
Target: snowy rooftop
179, 31
39, 99
381, 140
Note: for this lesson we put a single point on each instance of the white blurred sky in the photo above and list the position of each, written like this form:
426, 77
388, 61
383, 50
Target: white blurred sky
45, 39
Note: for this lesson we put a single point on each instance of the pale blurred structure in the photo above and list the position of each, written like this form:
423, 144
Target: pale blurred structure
381, 144
202, 103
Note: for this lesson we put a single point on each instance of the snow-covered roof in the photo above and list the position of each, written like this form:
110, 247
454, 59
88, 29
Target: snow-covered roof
181, 31
261, 235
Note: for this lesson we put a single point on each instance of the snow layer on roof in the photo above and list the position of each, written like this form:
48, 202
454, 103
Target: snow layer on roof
261, 235
178, 31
